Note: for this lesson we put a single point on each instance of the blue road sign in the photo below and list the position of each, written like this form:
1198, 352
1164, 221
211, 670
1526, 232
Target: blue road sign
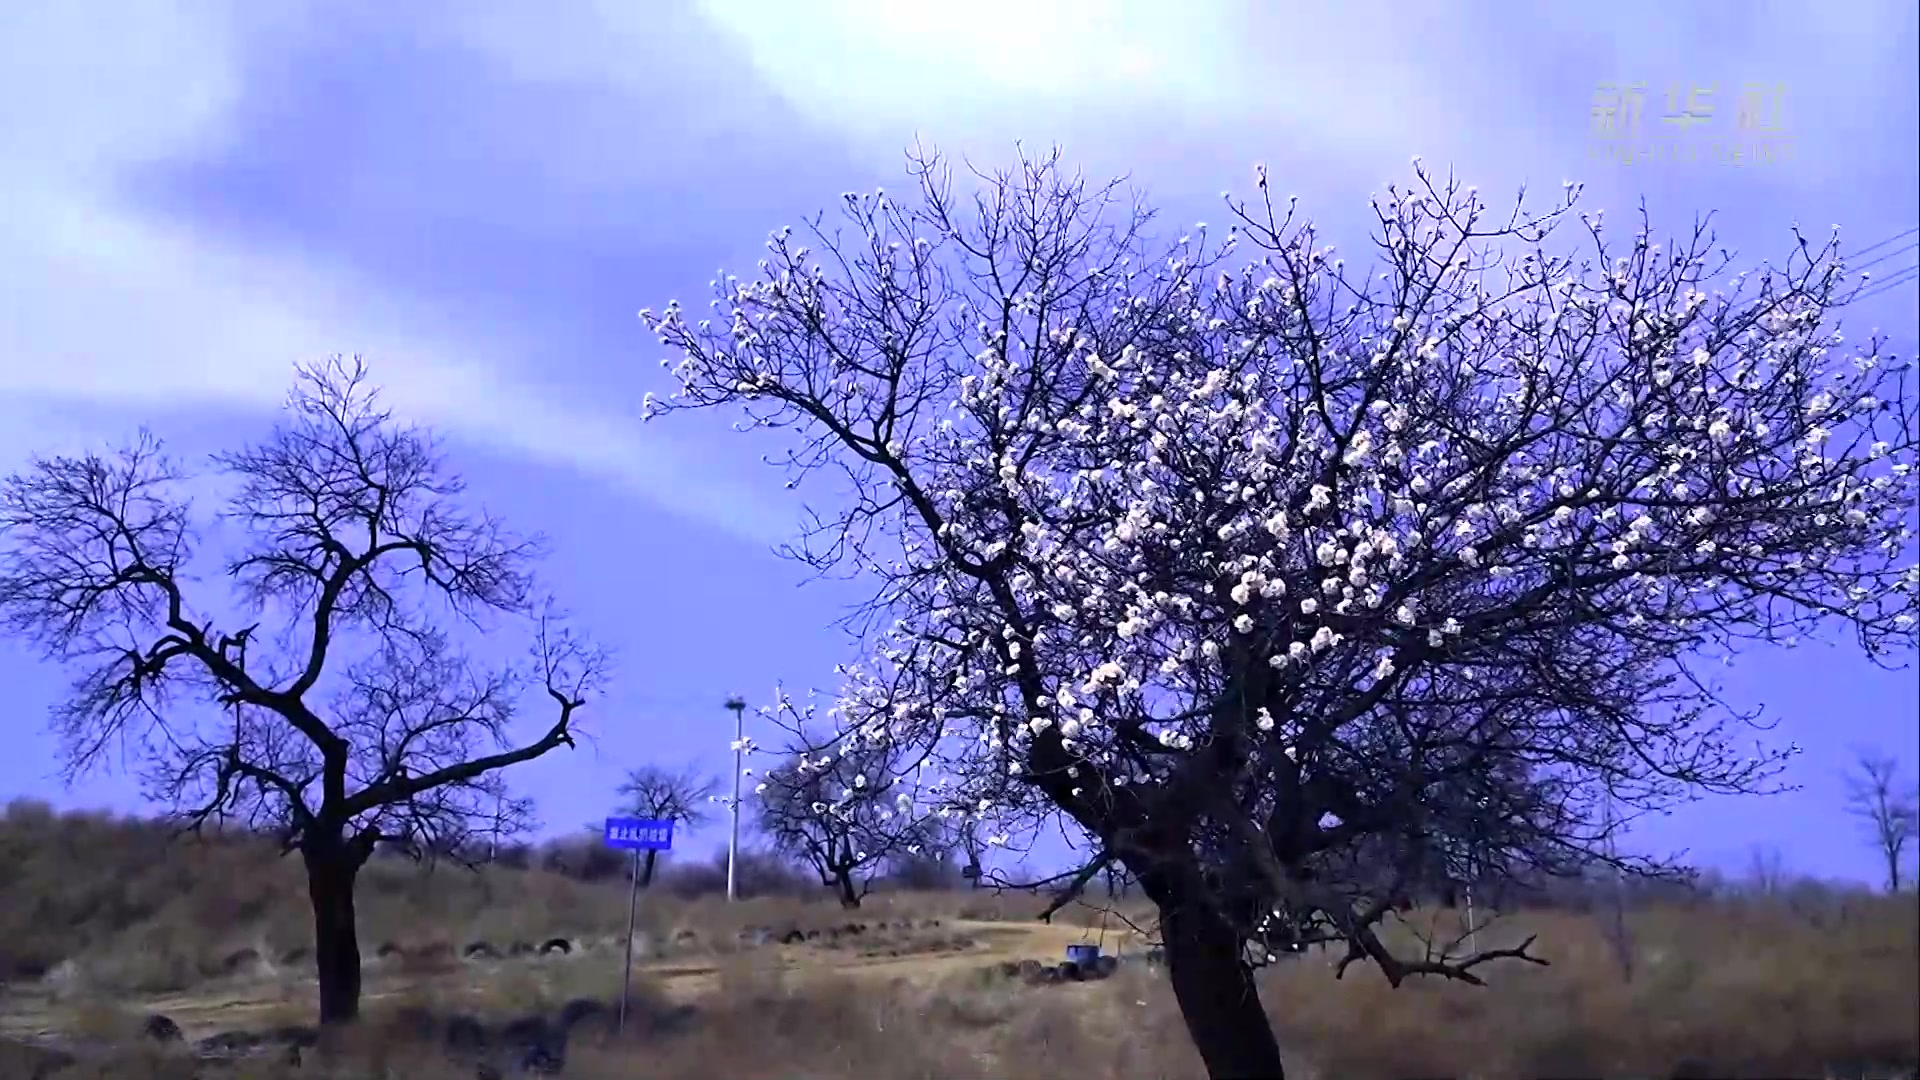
639, 834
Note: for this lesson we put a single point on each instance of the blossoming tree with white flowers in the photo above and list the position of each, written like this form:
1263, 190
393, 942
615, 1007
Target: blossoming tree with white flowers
1274, 578
848, 811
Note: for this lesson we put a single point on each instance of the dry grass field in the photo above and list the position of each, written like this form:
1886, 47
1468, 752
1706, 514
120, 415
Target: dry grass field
103, 925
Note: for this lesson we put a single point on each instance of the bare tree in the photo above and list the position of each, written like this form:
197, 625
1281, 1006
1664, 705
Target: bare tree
683, 796
1273, 579
1889, 807
355, 720
1767, 873
844, 810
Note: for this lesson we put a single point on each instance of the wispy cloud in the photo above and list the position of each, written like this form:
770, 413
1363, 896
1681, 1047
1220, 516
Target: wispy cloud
479, 197
110, 297
1334, 97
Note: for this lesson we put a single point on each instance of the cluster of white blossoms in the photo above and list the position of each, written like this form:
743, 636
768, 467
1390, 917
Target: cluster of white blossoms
865, 781
1181, 477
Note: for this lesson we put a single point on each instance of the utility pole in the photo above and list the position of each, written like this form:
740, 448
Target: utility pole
739, 707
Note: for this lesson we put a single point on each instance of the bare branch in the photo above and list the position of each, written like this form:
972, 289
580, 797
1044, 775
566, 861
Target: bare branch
1074, 887
683, 796
1888, 807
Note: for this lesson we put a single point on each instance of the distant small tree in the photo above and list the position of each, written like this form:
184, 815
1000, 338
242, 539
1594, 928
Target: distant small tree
582, 857
516, 856
1766, 870
354, 721
845, 812
683, 796
1888, 806
759, 872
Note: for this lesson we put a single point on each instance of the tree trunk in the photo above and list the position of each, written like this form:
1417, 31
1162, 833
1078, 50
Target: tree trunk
646, 869
843, 884
1217, 995
331, 870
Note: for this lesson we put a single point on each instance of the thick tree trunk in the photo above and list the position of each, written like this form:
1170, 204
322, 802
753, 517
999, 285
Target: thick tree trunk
331, 870
1217, 995
646, 869
849, 896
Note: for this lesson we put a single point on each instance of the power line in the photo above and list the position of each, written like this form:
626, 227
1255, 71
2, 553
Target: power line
1884, 243
1896, 253
1868, 288
1899, 278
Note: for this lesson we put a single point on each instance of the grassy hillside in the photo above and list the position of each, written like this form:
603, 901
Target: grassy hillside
127, 905
100, 917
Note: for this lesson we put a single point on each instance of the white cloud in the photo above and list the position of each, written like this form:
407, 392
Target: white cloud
1329, 92
102, 306
882, 68
107, 309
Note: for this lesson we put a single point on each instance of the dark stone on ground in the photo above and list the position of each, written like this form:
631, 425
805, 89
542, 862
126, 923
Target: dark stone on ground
543, 1059
464, 1034
526, 1031
584, 1010
229, 1042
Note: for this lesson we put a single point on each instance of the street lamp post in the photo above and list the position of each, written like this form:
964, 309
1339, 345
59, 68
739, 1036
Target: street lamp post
739, 708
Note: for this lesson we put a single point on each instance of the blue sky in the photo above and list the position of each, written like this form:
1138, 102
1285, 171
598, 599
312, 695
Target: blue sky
479, 196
